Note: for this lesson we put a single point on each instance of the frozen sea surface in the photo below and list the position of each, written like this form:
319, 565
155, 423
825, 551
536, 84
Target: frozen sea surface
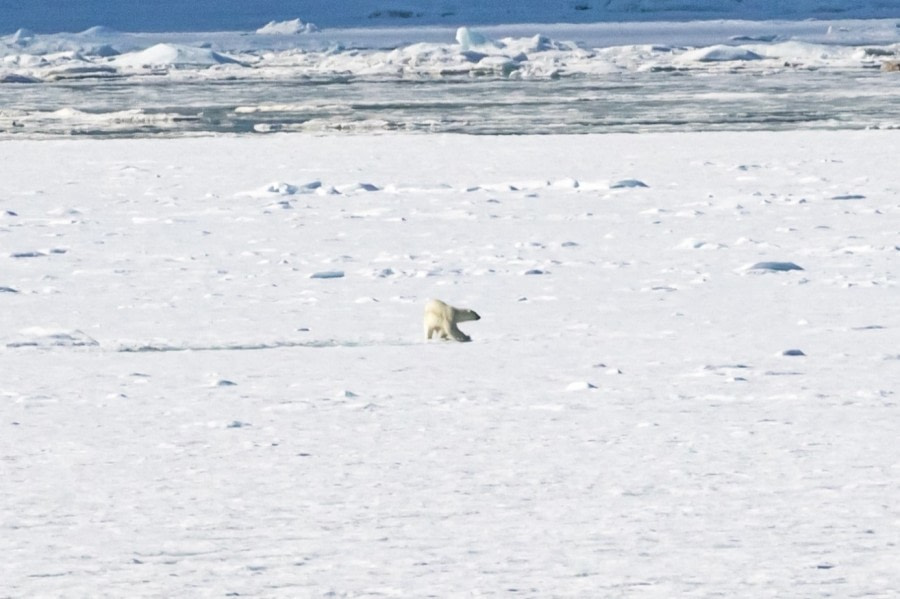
616, 103
684, 382
727, 75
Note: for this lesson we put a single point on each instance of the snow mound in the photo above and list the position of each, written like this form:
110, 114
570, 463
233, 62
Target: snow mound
773, 267
793, 353
280, 188
172, 55
44, 338
99, 31
692, 243
350, 188
473, 40
628, 184
327, 274
720, 53
580, 386
287, 189
292, 27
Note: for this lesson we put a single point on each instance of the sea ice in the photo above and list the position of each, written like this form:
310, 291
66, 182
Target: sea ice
291, 27
469, 40
117, 353
719, 53
171, 55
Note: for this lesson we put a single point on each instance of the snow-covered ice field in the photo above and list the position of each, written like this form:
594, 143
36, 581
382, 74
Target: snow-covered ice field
214, 381
220, 224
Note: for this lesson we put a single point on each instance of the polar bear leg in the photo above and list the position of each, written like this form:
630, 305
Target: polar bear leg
456, 333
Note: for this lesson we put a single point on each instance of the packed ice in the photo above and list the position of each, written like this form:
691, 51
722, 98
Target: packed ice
680, 236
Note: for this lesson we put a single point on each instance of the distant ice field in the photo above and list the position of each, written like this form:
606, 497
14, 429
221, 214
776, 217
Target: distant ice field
730, 75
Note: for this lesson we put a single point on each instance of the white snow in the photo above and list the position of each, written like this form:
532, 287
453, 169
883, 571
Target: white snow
183, 407
217, 238
170, 55
473, 40
719, 53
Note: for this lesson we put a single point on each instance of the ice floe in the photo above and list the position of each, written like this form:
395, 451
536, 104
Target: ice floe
292, 27
719, 53
173, 56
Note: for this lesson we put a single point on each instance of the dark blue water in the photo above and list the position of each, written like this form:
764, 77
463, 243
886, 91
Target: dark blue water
52, 16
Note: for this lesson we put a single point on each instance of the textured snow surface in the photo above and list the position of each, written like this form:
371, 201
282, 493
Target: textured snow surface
187, 409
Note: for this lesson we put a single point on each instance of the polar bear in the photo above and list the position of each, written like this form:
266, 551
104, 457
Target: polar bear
442, 318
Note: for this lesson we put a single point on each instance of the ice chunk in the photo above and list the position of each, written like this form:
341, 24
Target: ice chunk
99, 31
580, 386
280, 188
628, 184
774, 266
292, 27
172, 55
720, 53
692, 243
22, 37
354, 187
793, 352
286, 189
469, 40
327, 274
